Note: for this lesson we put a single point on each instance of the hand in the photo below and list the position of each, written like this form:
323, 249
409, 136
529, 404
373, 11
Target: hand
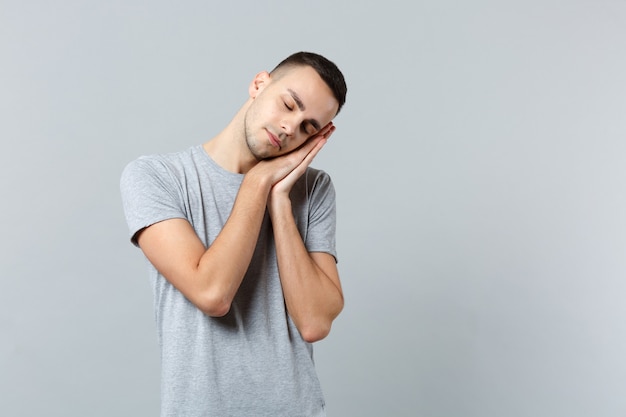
315, 143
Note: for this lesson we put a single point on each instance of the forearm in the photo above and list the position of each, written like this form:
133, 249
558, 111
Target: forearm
312, 297
225, 262
209, 278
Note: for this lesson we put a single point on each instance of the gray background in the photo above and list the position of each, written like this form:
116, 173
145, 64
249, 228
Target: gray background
479, 163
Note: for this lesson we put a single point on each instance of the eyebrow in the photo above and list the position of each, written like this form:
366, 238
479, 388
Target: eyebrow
302, 107
297, 99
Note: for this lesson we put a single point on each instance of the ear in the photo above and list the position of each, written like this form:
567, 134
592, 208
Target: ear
260, 81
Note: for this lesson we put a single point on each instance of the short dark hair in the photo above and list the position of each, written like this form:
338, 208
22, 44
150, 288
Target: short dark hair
327, 70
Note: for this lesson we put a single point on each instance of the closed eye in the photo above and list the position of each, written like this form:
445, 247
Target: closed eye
290, 108
309, 129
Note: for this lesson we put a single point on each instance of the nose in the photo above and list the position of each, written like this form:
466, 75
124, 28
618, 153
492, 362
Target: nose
288, 126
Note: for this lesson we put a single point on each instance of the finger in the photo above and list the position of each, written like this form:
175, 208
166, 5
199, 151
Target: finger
314, 151
306, 161
329, 132
303, 162
324, 131
310, 143
306, 153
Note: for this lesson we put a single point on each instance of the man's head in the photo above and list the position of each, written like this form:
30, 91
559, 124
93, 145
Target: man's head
325, 68
291, 104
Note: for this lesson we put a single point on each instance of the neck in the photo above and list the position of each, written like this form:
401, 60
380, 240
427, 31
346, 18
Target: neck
229, 148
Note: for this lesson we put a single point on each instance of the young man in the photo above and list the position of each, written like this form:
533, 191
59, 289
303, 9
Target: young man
240, 235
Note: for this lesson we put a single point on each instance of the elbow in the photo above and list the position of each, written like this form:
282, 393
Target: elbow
213, 305
312, 333
216, 310
315, 329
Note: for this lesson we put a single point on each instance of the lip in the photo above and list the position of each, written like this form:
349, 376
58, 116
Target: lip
274, 140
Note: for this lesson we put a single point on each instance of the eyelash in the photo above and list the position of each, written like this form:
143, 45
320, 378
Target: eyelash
304, 128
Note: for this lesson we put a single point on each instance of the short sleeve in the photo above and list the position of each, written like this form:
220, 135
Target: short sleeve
150, 194
322, 216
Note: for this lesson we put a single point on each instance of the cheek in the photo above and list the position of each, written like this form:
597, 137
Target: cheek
262, 112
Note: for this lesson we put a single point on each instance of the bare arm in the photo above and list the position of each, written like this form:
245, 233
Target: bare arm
310, 281
210, 278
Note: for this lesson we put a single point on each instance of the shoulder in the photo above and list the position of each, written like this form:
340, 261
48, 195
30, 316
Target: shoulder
313, 187
316, 182
316, 177
158, 165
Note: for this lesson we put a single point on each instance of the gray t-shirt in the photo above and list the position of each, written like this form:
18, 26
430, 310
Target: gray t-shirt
252, 362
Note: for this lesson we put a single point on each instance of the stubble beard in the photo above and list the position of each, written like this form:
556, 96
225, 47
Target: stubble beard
251, 140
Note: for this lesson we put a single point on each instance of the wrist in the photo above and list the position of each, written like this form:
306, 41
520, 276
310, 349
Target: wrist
259, 182
279, 204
